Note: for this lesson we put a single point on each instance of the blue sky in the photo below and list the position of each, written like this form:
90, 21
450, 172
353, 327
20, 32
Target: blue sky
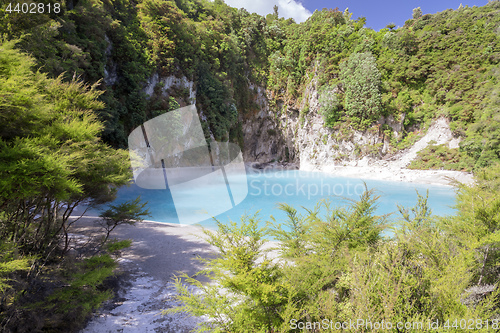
378, 13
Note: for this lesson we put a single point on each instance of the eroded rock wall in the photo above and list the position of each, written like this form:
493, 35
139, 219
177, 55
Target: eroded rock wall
297, 134
265, 134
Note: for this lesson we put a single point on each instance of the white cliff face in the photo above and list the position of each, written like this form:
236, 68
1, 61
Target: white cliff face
169, 82
276, 133
151, 84
282, 133
321, 146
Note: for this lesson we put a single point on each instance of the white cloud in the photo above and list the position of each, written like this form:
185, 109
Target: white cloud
286, 8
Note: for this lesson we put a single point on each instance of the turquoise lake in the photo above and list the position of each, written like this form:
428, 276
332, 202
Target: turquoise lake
296, 188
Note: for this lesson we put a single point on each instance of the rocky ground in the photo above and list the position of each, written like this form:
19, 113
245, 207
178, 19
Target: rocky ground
138, 306
145, 277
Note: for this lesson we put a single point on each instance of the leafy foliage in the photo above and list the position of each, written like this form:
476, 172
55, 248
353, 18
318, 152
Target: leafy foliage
51, 160
10, 263
83, 292
439, 64
442, 157
417, 13
51, 157
249, 294
125, 213
335, 265
329, 105
361, 82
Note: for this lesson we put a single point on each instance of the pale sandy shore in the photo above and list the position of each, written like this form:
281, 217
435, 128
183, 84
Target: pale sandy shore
159, 252
377, 170
433, 177
161, 249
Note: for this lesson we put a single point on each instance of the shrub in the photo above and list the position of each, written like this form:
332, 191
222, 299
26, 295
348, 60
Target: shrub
361, 81
84, 293
442, 157
335, 265
248, 293
128, 212
329, 105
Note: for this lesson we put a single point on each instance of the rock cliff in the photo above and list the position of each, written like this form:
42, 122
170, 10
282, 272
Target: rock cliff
297, 134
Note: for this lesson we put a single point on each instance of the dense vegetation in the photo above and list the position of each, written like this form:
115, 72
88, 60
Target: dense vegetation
51, 160
217, 45
67, 108
444, 64
335, 267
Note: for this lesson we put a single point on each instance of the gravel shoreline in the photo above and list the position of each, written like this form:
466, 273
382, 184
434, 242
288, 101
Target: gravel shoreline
138, 305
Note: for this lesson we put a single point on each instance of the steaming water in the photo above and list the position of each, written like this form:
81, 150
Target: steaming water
296, 188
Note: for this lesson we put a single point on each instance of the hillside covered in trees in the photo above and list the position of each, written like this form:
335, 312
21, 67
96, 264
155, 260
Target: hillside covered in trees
74, 83
443, 64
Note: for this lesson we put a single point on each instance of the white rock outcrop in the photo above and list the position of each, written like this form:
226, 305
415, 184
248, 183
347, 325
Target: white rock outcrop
284, 133
169, 82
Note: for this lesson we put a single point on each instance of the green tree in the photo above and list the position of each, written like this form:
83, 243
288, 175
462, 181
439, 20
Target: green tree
329, 106
51, 160
124, 213
417, 13
51, 157
360, 78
